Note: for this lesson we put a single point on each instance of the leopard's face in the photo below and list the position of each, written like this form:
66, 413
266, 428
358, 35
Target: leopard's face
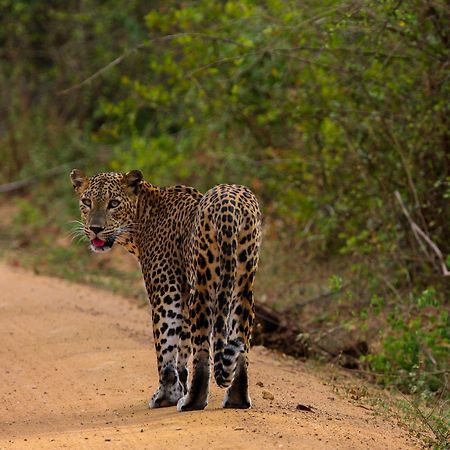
108, 204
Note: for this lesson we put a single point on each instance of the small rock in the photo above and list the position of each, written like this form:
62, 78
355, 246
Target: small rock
301, 407
260, 384
267, 395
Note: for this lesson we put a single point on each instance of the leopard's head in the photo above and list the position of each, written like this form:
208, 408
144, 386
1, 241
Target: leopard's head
108, 203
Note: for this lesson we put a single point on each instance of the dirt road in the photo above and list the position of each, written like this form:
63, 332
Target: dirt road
77, 368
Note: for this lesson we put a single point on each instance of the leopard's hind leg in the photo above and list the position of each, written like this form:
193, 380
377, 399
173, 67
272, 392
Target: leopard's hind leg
241, 320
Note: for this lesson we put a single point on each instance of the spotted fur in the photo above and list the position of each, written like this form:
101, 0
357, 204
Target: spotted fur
198, 255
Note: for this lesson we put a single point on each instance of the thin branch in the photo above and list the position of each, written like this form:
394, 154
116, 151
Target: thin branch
420, 236
142, 45
405, 163
326, 333
219, 62
16, 185
108, 66
343, 50
397, 377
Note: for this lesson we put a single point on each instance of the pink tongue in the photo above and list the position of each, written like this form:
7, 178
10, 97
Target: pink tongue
98, 242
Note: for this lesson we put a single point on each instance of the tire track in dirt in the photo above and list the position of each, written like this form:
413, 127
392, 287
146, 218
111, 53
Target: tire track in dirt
78, 367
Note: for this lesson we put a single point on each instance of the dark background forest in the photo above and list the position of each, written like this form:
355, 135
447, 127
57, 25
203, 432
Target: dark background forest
335, 113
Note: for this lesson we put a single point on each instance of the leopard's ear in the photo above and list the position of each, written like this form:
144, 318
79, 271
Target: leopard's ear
133, 180
79, 180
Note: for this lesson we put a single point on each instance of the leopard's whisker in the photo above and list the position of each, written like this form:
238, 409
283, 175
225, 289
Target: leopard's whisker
78, 239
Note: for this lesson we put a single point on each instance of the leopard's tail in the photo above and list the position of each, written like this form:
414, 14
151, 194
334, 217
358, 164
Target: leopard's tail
226, 351
225, 362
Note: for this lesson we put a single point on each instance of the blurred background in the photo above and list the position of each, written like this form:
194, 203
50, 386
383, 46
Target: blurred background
335, 113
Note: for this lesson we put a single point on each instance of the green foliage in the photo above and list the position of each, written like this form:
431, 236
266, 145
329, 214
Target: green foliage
415, 346
323, 103
336, 283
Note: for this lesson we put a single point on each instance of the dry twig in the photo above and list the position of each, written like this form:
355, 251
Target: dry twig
422, 237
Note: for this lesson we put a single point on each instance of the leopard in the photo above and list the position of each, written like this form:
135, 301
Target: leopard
198, 254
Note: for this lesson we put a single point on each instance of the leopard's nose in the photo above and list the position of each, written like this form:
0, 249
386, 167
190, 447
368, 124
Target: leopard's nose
96, 229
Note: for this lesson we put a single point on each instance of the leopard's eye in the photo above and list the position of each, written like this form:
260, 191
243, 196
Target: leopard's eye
113, 204
86, 202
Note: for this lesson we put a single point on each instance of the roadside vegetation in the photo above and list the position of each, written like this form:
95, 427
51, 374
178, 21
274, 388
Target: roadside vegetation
335, 113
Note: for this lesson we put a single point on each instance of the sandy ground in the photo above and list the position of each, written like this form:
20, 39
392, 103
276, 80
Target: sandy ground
77, 368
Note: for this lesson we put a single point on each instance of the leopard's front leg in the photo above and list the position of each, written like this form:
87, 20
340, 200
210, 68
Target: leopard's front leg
167, 327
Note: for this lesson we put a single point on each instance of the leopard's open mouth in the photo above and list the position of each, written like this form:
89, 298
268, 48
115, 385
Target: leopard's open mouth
100, 245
